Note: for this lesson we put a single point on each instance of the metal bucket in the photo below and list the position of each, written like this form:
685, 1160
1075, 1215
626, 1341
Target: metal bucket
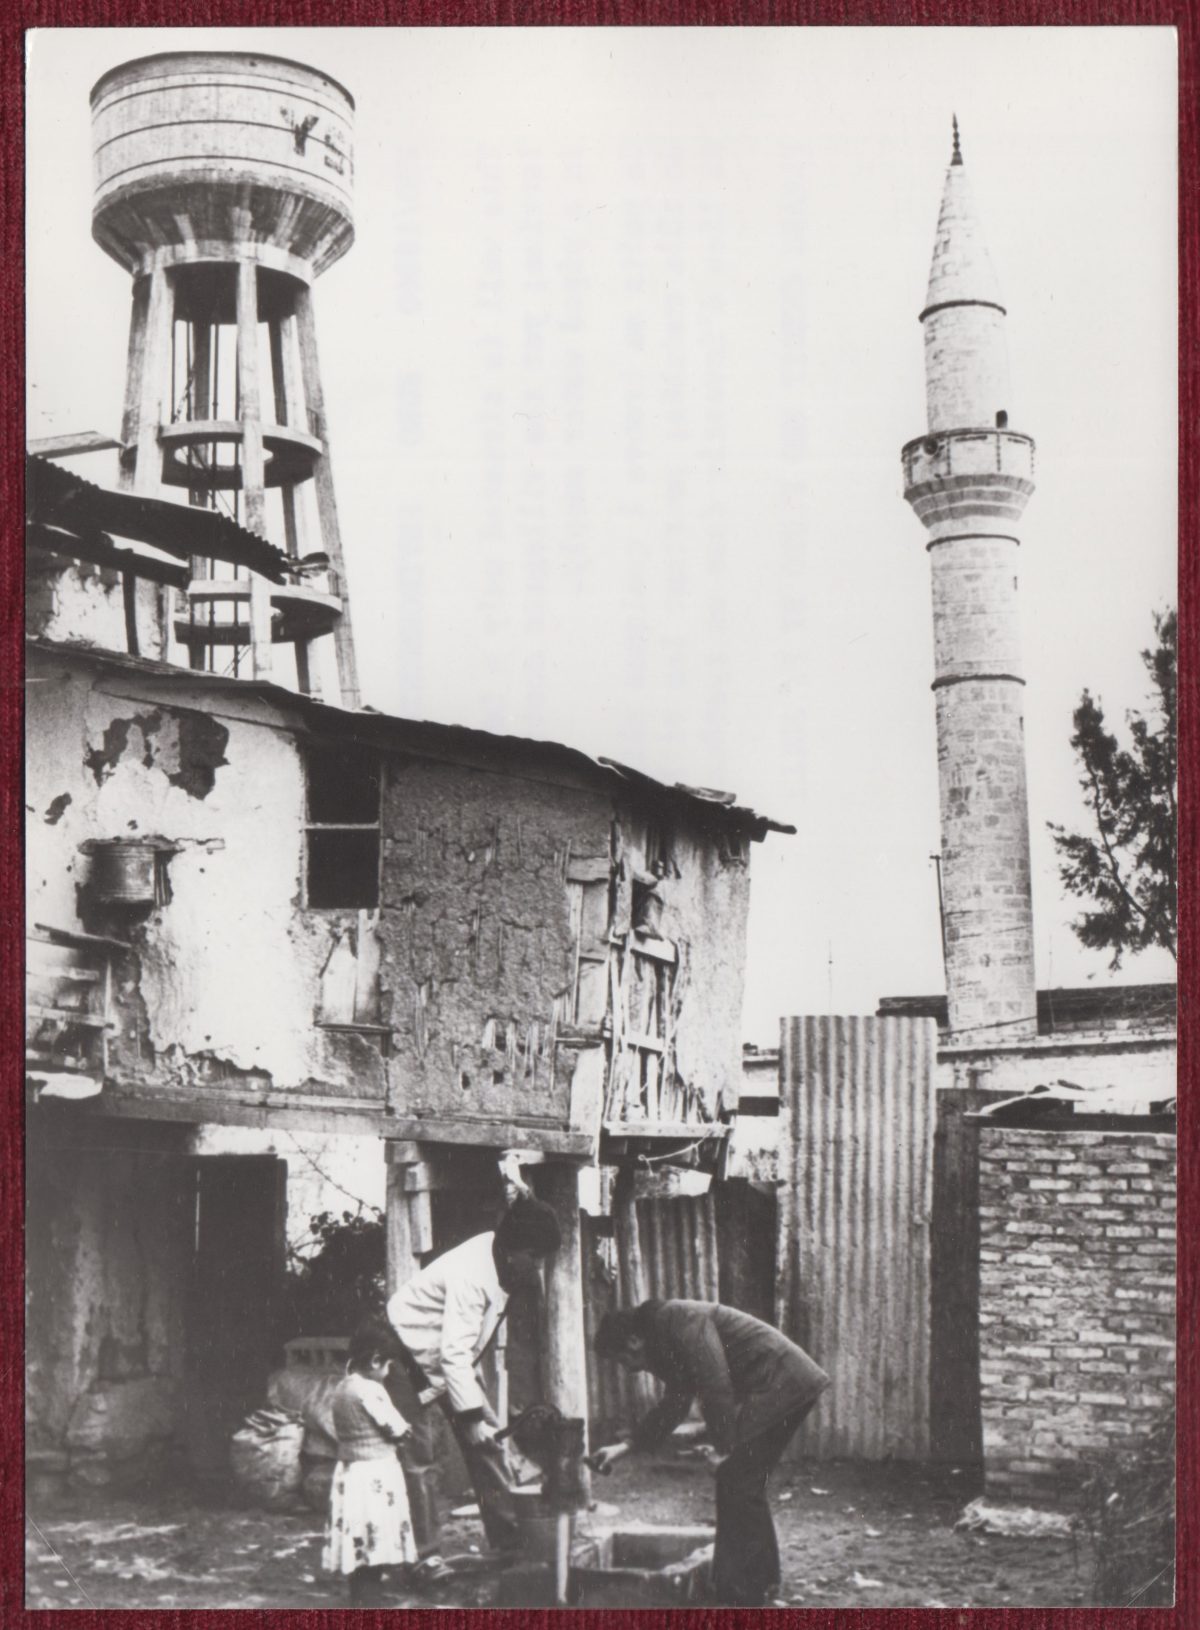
123, 872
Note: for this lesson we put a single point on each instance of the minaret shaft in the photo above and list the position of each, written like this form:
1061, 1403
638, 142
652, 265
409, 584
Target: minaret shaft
968, 480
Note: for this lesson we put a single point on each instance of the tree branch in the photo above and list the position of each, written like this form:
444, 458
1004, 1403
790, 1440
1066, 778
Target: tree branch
1114, 869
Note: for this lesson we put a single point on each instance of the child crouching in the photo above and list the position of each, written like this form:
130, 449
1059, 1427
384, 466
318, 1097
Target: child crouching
369, 1524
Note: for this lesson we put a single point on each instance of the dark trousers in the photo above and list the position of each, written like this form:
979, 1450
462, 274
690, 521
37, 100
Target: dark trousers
746, 1554
487, 1466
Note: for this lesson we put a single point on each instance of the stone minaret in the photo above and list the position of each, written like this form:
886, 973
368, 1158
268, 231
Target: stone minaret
969, 479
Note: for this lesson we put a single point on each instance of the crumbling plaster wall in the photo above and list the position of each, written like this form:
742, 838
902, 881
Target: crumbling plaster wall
85, 603
1145, 1064
478, 944
108, 1220
705, 910
476, 938
225, 976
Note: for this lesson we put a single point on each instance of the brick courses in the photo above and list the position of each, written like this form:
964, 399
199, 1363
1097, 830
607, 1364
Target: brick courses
1077, 1300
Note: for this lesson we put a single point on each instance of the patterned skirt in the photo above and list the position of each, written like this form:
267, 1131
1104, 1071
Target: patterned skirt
369, 1524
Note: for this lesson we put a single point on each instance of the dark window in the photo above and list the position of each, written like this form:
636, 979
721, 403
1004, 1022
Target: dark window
1001, 420
343, 786
342, 830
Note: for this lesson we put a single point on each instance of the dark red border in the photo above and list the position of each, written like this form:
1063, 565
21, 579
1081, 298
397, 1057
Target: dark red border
575, 13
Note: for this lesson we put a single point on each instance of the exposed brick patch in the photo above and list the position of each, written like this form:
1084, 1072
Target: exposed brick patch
1077, 1300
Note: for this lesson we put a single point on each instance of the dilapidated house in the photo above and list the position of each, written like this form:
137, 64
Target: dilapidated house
249, 906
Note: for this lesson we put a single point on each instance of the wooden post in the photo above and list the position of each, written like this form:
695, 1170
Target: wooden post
566, 1340
566, 1337
129, 594
331, 538
403, 1241
631, 1272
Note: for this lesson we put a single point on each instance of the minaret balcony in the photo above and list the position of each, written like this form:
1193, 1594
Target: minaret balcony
968, 480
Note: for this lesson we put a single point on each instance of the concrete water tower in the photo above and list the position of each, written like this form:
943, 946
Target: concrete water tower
223, 186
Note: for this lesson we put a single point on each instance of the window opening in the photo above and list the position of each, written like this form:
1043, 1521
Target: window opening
342, 828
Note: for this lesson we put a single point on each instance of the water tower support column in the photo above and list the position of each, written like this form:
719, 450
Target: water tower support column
314, 396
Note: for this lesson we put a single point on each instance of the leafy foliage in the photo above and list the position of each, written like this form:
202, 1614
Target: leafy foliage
343, 1282
1127, 867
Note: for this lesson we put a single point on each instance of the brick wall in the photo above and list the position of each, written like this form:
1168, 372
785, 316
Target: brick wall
1077, 1300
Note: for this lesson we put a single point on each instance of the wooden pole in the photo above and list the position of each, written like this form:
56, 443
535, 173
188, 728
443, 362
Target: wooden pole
331, 537
566, 1337
566, 1341
562, 1558
631, 1271
402, 1264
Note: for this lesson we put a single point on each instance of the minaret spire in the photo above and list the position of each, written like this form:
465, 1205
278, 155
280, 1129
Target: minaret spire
956, 156
968, 478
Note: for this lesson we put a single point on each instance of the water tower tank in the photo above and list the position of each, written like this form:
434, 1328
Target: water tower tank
214, 155
223, 186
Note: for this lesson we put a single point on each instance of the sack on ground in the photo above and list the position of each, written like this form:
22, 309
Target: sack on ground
264, 1456
318, 1476
310, 1395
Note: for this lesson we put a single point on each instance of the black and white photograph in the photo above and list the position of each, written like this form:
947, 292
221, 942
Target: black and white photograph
600, 817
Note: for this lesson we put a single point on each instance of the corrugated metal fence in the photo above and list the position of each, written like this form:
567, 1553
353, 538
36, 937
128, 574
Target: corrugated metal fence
856, 1161
679, 1258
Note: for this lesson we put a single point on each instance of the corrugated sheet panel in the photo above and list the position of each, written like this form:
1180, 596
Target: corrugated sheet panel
679, 1247
679, 1257
854, 1208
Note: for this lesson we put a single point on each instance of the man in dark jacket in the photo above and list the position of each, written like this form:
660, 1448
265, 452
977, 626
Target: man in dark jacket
754, 1386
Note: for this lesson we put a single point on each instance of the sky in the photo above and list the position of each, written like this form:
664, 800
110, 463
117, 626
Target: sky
618, 371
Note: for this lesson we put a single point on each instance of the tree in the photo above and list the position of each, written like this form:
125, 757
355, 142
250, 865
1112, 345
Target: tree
342, 1282
1127, 868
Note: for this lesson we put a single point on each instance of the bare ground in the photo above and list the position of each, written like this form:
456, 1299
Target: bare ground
852, 1535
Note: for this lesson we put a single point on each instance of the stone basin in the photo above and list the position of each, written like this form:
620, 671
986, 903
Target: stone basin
633, 1565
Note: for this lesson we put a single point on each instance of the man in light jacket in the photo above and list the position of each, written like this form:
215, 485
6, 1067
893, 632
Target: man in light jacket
755, 1387
446, 1319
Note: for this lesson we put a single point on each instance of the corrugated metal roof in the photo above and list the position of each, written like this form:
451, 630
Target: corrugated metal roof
59, 496
426, 738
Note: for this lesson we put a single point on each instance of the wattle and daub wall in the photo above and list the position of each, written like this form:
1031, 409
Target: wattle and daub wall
496, 881
1077, 1300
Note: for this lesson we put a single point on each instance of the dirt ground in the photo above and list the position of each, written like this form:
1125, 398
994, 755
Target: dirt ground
852, 1535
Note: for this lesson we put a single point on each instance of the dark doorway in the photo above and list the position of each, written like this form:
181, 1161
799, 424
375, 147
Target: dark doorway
236, 1295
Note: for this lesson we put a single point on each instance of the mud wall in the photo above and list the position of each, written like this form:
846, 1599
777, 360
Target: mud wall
485, 969
500, 897
477, 944
108, 1237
